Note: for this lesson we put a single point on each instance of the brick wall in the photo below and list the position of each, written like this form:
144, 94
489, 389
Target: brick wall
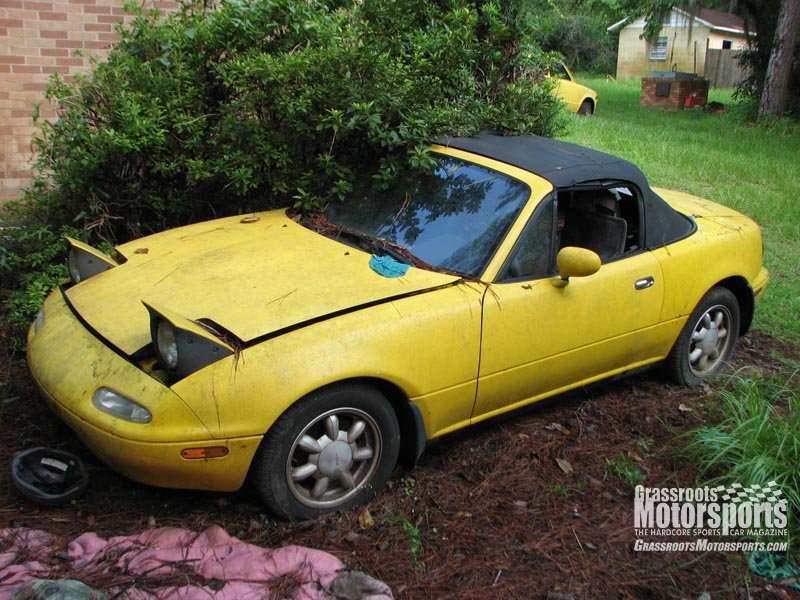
679, 90
37, 39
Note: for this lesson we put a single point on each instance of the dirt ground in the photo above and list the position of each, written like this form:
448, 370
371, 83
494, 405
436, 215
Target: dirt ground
487, 513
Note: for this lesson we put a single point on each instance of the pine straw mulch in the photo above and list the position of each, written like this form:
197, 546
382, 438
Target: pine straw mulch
488, 513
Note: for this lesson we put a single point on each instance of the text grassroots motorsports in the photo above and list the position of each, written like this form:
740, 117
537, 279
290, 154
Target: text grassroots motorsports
757, 513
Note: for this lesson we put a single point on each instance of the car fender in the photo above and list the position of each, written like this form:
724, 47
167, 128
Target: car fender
715, 253
426, 345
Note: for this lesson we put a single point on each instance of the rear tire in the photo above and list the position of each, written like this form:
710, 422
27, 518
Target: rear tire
707, 340
333, 450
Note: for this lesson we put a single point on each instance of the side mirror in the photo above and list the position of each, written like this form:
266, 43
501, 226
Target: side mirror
575, 262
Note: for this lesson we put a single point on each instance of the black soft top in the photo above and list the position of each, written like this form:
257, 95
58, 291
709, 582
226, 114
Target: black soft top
567, 165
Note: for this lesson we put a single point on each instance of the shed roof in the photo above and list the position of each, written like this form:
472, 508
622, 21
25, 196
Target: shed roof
716, 20
719, 20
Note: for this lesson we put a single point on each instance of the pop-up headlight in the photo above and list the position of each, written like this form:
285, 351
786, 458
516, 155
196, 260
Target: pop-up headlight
85, 262
183, 346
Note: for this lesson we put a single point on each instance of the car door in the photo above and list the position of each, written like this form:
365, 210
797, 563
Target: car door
537, 338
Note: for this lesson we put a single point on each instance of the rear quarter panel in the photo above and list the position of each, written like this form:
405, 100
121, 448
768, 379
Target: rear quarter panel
726, 244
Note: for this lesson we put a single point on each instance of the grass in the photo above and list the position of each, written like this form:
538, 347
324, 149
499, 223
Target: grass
559, 490
756, 441
414, 543
624, 467
755, 170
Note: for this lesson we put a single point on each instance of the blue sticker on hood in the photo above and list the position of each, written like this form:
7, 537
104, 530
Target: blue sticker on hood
387, 266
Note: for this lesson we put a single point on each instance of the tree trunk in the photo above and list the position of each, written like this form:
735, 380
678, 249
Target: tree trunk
773, 96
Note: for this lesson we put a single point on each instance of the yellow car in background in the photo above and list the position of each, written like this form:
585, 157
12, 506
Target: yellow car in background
306, 353
578, 98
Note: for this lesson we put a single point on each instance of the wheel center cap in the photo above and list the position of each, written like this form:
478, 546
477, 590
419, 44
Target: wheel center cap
335, 459
710, 340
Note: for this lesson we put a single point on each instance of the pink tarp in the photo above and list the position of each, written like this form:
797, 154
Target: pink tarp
227, 567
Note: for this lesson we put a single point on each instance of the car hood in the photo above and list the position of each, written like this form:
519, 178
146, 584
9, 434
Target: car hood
253, 276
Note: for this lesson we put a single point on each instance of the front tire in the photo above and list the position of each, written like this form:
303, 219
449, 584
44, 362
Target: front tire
331, 451
707, 340
586, 108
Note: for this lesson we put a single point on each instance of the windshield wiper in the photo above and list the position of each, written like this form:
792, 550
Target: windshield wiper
380, 247
364, 241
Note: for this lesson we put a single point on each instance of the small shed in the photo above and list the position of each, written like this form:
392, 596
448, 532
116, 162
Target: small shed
669, 90
681, 45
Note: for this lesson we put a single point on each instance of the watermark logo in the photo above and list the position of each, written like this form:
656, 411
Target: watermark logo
736, 518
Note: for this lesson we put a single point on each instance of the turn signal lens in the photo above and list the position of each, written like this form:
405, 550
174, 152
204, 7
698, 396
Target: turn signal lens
209, 452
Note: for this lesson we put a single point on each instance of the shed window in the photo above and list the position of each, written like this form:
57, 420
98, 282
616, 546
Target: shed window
727, 44
658, 49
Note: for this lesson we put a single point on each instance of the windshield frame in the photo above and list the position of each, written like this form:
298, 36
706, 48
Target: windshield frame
538, 188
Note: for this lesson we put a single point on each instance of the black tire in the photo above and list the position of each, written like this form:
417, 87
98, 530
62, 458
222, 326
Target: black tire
586, 108
347, 435
707, 340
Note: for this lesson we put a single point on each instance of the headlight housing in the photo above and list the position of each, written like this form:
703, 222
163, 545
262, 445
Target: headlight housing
182, 346
85, 262
118, 405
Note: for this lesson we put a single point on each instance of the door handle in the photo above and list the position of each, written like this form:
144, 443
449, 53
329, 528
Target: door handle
644, 283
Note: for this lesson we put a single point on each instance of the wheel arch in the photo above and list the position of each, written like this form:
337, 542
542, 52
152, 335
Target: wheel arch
744, 295
591, 102
413, 438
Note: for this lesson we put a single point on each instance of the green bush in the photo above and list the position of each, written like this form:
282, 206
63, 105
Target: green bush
253, 105
243, 105
31, 264
581, 39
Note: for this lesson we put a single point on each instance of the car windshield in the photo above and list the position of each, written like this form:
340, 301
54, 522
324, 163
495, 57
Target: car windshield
452, 218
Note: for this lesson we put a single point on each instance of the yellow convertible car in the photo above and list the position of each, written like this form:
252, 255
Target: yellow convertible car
578, 98
307, 353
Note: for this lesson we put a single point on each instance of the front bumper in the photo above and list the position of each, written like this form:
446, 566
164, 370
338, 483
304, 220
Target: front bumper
69, 364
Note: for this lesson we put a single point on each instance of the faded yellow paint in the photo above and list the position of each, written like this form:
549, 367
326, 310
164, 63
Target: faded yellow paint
101, 257
274, 265
392, 342
577, 262
694, 265
461, 351
69, 364
570, 368
538, 338
573, 93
